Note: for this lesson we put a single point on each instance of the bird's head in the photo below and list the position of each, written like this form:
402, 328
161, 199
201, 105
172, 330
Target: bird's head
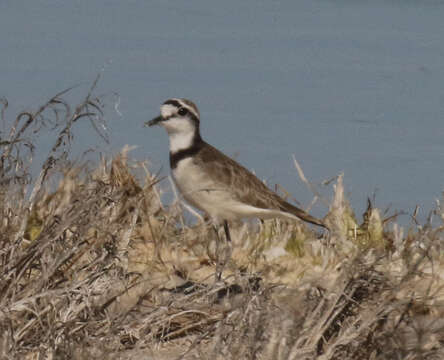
177, 116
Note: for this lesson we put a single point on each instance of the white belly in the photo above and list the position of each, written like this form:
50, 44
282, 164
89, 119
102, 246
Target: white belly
200, 190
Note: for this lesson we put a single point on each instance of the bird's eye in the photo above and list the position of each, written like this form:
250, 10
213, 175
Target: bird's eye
182, 111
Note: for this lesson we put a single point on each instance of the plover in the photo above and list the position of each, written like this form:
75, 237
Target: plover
213, 182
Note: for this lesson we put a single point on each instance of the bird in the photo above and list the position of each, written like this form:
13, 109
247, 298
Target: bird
211, 181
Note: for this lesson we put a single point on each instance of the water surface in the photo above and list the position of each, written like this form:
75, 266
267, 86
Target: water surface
346, 86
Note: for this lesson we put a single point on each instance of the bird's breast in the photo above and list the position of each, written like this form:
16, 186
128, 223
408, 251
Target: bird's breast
201, 189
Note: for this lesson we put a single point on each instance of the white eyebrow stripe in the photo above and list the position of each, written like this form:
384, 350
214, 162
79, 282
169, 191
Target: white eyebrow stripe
171, 106
191, 110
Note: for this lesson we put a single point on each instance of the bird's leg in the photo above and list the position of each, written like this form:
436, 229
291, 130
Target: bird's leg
219, 265
227, 231
229, 244
222, 261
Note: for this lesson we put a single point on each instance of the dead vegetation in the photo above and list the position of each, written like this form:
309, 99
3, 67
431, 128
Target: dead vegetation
93, 266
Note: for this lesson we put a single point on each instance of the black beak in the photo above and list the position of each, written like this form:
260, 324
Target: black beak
155, 121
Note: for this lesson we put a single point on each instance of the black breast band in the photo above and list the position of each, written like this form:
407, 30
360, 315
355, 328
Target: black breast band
185, 153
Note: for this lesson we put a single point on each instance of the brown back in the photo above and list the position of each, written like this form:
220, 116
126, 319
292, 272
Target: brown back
245, 186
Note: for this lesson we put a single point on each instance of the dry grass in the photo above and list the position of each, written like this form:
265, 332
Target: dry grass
93, 266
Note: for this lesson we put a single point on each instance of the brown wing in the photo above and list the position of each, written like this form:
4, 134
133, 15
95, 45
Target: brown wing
255, 193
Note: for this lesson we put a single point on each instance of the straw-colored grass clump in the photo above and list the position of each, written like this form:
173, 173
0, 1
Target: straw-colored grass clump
94, 266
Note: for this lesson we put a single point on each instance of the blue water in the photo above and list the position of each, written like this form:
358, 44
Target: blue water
346, 86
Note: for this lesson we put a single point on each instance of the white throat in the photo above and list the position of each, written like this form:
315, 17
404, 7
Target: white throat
181, 141
181, 132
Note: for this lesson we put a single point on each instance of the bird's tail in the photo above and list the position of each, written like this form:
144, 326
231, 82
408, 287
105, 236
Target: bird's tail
301, 214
